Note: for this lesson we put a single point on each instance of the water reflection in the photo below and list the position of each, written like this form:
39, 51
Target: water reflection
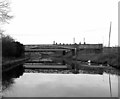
61, 85
61, 82
8, 77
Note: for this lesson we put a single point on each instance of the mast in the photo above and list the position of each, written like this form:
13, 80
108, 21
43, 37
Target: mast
109, 34
109, 59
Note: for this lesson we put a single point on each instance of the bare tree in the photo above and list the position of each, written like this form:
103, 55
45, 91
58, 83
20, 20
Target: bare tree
4, 12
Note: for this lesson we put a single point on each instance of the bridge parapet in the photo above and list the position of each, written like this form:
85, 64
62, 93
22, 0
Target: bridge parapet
48, 47
59, 47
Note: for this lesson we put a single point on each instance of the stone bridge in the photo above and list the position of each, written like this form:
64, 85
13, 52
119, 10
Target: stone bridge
36, 51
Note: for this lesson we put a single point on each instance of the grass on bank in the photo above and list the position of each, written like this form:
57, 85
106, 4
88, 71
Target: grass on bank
109, 56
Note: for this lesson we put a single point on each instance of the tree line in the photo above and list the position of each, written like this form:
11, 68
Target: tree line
10, 47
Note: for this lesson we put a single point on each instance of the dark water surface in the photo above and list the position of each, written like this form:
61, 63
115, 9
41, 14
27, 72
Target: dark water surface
23, 82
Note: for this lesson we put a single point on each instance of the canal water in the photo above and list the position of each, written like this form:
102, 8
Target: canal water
86, 82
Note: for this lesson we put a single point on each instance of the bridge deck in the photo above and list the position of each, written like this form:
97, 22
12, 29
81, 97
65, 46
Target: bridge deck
27, 50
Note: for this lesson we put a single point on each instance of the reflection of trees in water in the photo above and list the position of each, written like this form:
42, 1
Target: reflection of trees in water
112, 71
6, 84
8, 77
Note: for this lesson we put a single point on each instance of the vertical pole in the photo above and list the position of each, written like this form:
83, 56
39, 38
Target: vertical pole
74, 40
109, 34
103, 41
109, 43
84, 40
109, 60
110, 86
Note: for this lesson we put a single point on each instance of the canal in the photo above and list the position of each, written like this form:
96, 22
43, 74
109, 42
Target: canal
86, 82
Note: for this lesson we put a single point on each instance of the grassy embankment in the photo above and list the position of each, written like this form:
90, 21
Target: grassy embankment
108, 56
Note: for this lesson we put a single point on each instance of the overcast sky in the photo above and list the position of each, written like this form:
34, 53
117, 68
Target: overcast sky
45, 21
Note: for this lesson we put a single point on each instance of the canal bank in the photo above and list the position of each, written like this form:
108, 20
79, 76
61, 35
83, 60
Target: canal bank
10, 64
109, 56
100, 59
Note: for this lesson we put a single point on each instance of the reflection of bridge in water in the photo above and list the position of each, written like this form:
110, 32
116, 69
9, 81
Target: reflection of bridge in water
44, 66
50, 64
